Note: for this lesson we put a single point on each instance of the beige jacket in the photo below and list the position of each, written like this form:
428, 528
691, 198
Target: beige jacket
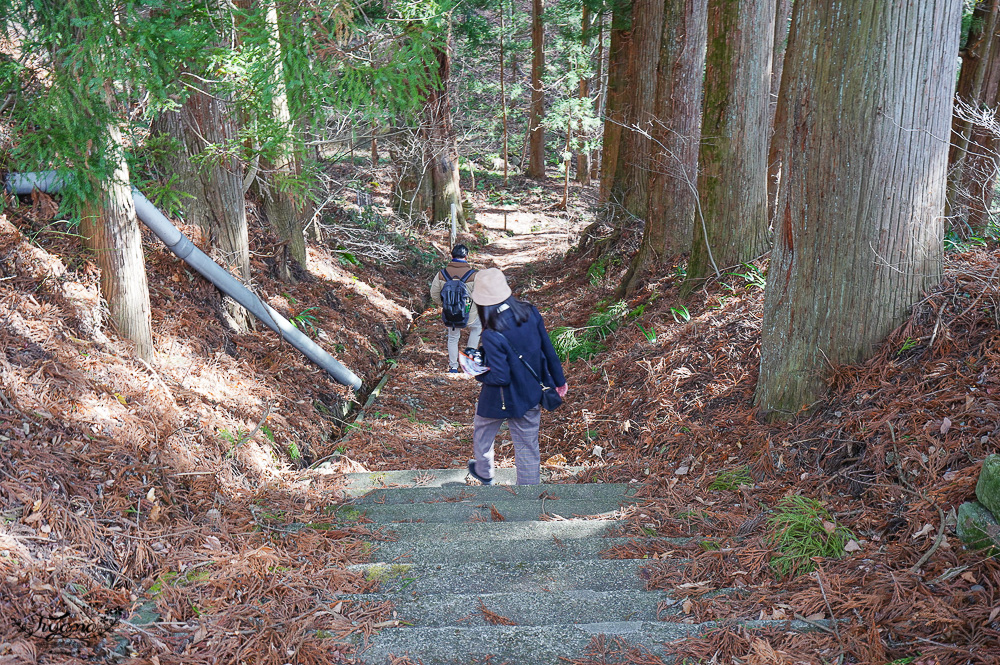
455, 269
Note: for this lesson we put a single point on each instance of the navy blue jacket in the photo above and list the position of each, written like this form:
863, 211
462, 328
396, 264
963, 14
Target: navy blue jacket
509, 390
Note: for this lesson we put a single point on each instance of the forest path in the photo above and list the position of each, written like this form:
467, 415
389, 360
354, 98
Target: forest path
422, 417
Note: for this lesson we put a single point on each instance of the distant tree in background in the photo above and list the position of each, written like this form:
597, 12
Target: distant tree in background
536, 131
859, 228
973, 161
732, 183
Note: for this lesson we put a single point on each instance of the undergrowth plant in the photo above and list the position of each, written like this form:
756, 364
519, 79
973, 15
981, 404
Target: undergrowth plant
732, 479
585, 342
801, 528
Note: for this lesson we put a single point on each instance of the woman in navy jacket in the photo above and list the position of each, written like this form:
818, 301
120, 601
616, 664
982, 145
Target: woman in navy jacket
510, 392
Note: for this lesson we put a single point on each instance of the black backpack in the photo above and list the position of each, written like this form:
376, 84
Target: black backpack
455, 300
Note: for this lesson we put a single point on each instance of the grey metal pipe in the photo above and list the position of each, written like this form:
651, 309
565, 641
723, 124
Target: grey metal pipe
179, 244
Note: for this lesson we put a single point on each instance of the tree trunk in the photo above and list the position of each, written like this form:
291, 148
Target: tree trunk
111, 231
982, 166
673, 195
536, 160
615, 93
859, 234
781, 28
629, 189
977, 88
602, 93
284, 211
732, 185
503, 99
215, 187
582, 154
442, 145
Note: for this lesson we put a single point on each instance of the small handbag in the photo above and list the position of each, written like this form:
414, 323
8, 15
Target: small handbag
550, 398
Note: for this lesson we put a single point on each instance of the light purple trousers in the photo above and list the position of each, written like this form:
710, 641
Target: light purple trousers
524, 435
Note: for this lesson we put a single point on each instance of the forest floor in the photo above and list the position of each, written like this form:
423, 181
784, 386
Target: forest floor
167, 512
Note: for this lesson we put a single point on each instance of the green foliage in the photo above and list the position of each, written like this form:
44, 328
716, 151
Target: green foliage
953, 242
752, 276
571, 344
680, 313
801, 528
304, 320
650, 334
293, 452
908, 343
732, 479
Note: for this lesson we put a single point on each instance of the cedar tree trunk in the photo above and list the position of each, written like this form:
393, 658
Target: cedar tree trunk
615, 93
859, 233
215, 187
732, 183
673, 195
536, 149
631, 176
111, 230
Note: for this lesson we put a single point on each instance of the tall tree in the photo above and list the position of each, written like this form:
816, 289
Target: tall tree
858, 236
536, 146
583, 154
628, 189
75, 123
111, 231
732, 185
776, 114
673, 195
972, 162
615, 92
441, 142
280, 169
204, 131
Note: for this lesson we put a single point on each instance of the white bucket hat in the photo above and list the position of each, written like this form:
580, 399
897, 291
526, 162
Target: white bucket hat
490, 287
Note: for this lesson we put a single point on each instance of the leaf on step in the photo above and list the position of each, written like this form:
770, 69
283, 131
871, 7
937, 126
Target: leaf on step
495, 514
493, 618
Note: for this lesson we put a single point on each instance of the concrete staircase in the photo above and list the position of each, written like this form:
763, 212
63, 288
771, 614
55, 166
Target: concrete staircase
540, 569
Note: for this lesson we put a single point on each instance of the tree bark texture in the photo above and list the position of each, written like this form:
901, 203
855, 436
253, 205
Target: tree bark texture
859, 233
732, 184
111, 231
442, 145
673, 178
215, 187
781, 30
283, 209
583, 155
972, 160
615, 92
629, 189
536, 149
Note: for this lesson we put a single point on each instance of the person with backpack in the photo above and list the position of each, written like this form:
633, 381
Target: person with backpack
452, 289
524, 375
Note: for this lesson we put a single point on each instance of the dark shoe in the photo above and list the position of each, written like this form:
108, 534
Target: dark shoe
472, 472
470, 352
454, 370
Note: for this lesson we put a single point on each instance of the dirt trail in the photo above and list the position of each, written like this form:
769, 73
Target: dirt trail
422, 417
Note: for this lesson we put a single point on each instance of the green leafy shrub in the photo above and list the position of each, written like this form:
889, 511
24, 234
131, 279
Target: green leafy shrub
574, 343
801, 528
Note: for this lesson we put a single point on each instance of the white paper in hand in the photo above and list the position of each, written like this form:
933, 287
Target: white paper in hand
470, 366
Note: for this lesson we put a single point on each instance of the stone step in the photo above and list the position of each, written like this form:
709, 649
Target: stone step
507, 576
530, 609
481, 493
409, 551
360, 483
531, 645
517, 510
492, 534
